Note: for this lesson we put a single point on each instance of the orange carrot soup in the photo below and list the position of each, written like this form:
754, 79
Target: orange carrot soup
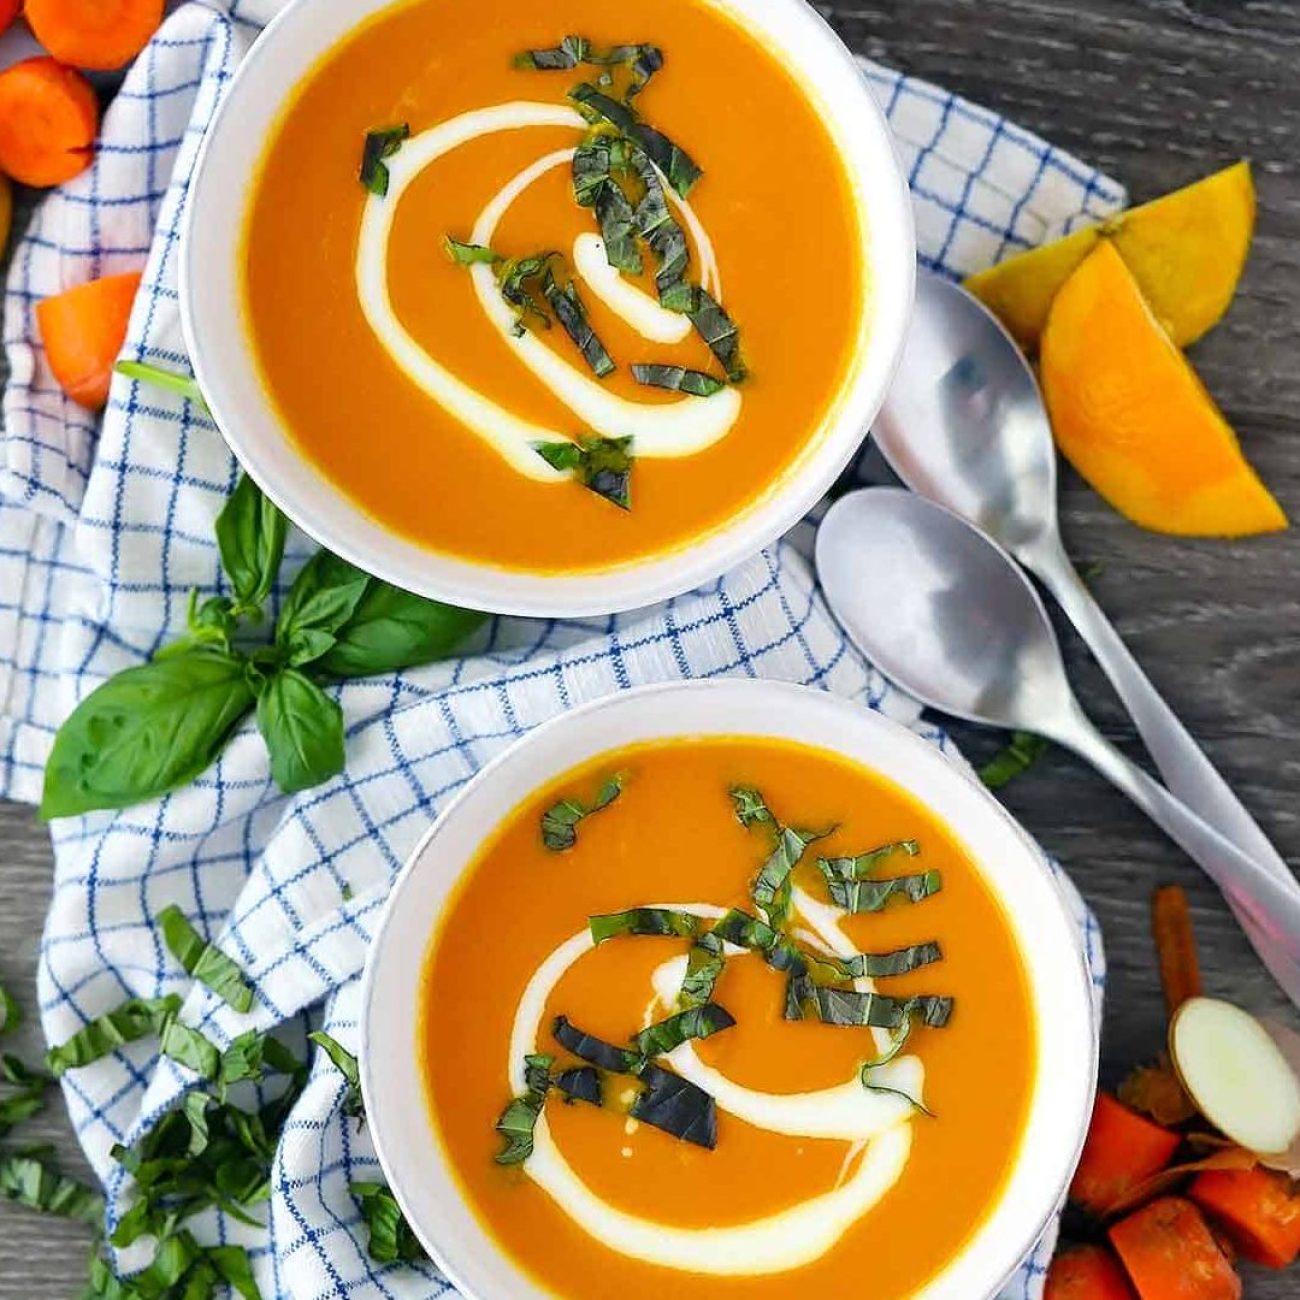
707, 1018
554, 302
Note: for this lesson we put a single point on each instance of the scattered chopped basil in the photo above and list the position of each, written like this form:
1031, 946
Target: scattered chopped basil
595, 1051
849, 1007
704, 965
571, 51
469, 254
875, 895
391, 1238
519, 1118
566, 303
379, 145
233, 1267
718, 330
677, 1107
864, 864
346, 1064
604, 465
676, 165
1023, 751
203, 960
751, 808
747, 931
772, 887
581, 1083
881, 965
30, 1182
594, 186
642, 61
656, 224
678, 379
665, 1036
560, 820
514, 276
190, 1048
135, 1019
29, 1100
644, 921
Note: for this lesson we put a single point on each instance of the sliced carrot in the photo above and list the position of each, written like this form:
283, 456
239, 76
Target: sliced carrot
8, 12
83, 330
48, 119
1257, 1209
1086, 1273
1122, 1150
1169, 1254
99, 34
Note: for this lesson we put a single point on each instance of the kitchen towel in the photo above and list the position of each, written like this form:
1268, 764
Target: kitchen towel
106, 527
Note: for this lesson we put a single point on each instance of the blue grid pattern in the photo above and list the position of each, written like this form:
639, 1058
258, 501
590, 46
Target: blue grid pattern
104, 530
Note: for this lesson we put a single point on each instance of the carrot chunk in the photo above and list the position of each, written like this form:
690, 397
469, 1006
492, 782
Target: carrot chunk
1169, 1254
8, 12
1086, 1273
1258, 1211
83, 330
1122, 1150
99, 34
48, 119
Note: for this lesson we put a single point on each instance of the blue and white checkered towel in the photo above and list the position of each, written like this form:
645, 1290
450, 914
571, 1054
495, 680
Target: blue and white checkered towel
105, 529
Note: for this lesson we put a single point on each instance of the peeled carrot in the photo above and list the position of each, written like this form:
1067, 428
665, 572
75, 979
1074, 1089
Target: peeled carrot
8, 12
48, 119
83, 330
1169, 1254
1122, 1150
1257, 1209
99, 34
1086, 1273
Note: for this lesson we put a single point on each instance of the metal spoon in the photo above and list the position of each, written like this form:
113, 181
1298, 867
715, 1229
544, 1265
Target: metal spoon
964, 425
947, 614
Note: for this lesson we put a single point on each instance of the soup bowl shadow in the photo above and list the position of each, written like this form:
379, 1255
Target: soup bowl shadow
221, 352
418, 1168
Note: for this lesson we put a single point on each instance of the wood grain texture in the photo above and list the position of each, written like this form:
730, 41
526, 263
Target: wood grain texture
1157, 92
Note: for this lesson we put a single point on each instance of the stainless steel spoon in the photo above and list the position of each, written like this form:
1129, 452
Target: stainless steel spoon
964, 425
947, 614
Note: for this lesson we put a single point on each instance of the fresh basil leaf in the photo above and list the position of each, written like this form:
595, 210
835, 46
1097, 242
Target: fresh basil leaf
346, 1064
665, 1036
135, 1019
849, 1007
875, 895
675, 164
594, 186
303, 730
677, 379
11, 1014
188, 1047
203, 960
251, 531
381, 144
560, 820
719, 331
210, 623
195, 1109
324, 595
391, 1238
391, 629
604, 465
656, 224
182, 385
676, 1106
235, 1269
641, 921
145, 732
863, 865
177, 1253
595, 1051
29, 1182
1020, 754
469, 254
570, 311
21, 1106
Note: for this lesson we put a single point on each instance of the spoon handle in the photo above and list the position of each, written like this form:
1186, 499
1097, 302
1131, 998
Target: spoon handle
1267, 907
1183, 764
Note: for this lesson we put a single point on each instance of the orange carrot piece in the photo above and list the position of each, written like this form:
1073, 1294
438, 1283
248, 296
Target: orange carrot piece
8, 12
99, 34
1180, 965
1169, 1254
1086, 1273
1257, 1209
48, 119
83, 330
1122, 1149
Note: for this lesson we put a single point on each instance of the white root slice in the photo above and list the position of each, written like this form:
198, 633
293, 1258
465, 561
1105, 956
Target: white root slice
1236, 1074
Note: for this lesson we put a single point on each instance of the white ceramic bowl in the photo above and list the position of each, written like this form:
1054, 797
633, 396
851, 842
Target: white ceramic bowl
211, 278
400, 1124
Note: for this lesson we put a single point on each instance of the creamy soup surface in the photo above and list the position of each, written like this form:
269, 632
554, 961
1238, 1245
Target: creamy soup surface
764, 1156
423, 386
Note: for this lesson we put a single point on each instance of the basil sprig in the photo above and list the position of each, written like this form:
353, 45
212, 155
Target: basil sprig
156, 727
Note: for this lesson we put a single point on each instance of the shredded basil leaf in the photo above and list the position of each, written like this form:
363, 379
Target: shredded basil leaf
747, 931
864, 865
595, 1051
603, 465
391, 1239
11, 1014
751, 808
645, 921
571, 51
674, 162
771, 889
881, 965
849, 1007
134, 1019
469, 254
594, 186
656, 224
29, 1182
1021, 753
571, 312
642, 61
190, 1048
560, 820
719, 331
875, 895
676, 1106
379, 145
203, 960
695, 1022
346, 1064
704, 965
519, 1118
678, 379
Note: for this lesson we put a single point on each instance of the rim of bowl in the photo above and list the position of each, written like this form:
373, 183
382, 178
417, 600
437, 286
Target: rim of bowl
410, 1150
220, 350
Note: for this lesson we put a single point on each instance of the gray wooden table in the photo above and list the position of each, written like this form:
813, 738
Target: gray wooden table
1157, 92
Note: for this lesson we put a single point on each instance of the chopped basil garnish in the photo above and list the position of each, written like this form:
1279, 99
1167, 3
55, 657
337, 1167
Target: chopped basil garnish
642, 61
849, 1007
678, 379
346, 1064
875, 895
135, 1019
519, 1118
751, 808
881, 965
594, 186
704, 964
560, 820
379, 145
676, 1106
570, 311
581, 1083
469, 254
391, 1239
24, 1178
1021, 753
695, 1022
643, 921
604, 465
595, 1051
864, 864
719, 331
571, 51
747, 931
203, 960
675, 164
656, 224
772, 888
514, 276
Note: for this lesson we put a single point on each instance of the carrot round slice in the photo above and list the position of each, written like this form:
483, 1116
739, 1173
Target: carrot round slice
83, 330
1123, 1149
48, 119
1169, 1254
99, 34
1086, 1273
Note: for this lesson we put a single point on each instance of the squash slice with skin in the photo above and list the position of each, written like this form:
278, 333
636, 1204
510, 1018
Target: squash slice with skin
1186, 250
1131, 415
